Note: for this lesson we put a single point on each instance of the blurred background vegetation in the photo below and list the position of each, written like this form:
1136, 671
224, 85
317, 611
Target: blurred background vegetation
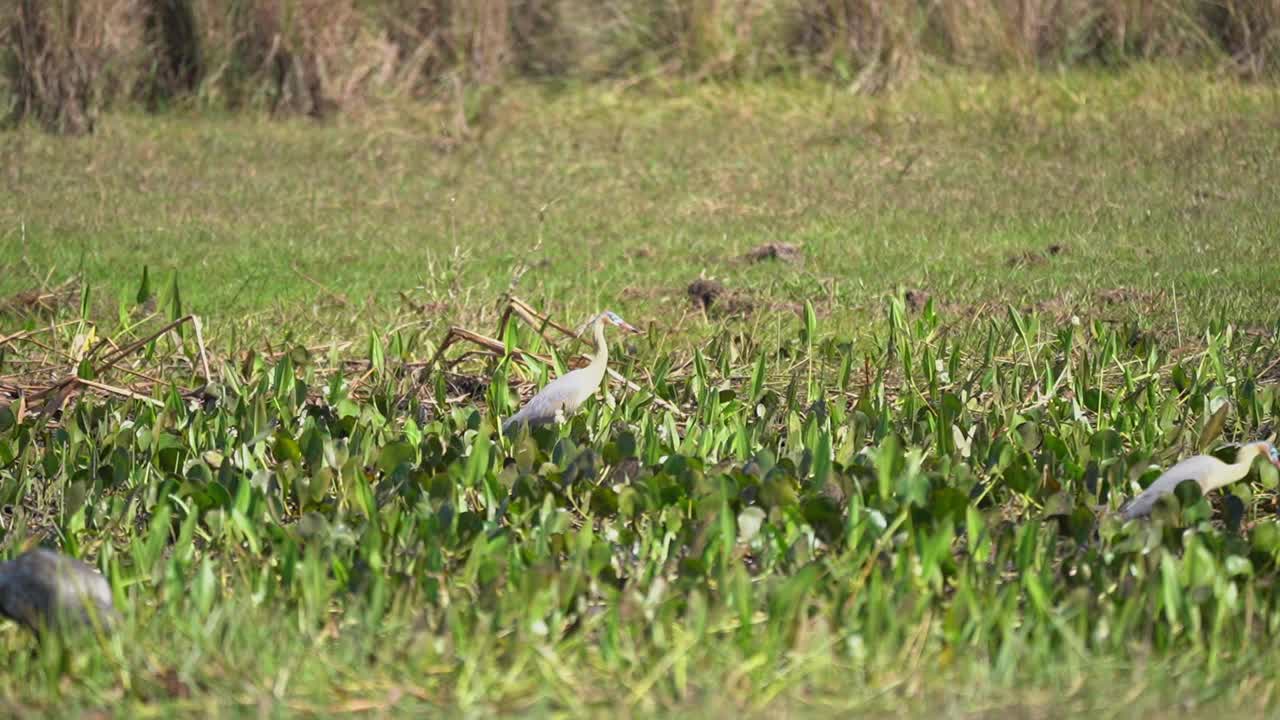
63, 61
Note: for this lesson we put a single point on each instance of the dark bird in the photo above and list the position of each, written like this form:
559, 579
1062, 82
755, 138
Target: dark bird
44, 589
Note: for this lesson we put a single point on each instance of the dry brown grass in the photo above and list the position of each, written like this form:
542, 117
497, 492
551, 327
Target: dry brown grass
68, 58
1021, 33
177, 67
309, 57
872, 42
1249, 31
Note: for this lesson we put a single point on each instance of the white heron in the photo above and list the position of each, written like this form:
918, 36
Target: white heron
1208, 471
44, 589
562, 396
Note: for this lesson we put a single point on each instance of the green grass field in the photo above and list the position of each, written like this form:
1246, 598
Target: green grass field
872, 478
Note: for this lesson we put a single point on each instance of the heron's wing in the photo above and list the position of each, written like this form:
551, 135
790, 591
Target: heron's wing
1196, 468
564, 395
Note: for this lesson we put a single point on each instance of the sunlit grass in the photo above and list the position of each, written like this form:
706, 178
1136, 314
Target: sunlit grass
1152, 182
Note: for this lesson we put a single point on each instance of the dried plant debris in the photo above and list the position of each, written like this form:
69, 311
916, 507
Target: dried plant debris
786, 252
1033, 258
42, 301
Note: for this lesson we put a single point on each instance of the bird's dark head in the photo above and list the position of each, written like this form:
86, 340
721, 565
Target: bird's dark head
612, 318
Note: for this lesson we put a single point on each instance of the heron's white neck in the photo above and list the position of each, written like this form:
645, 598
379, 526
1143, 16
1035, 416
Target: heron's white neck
601, 358
1235, 471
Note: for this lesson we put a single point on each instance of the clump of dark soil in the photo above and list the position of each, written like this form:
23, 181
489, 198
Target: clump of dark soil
704, 292
786, 252
717, 301
1116, 296
916, 299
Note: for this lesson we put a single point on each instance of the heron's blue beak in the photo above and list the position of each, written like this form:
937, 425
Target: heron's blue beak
619, 322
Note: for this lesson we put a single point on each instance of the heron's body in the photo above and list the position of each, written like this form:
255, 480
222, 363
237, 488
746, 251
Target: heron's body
42, 588
1209, 473
564, 395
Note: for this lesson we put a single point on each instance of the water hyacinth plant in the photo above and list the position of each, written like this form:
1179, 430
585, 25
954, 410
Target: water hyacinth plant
805, 510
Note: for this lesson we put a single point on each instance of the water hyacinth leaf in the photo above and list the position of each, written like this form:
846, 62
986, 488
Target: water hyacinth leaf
978, 542
175, 305
949, 502
824, 516
1213, 429
1265, 538
377, 355
144, 288
321, 483
1097, 400
1268, 475
199, 473
604, 502
217, 495
395, 454
822, 459
74, 498
1105, 444
1059, 503
1237, 566
477, 467
846, 370
750, 520
1188, 492
1029, 435
286, 448
1171, 589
